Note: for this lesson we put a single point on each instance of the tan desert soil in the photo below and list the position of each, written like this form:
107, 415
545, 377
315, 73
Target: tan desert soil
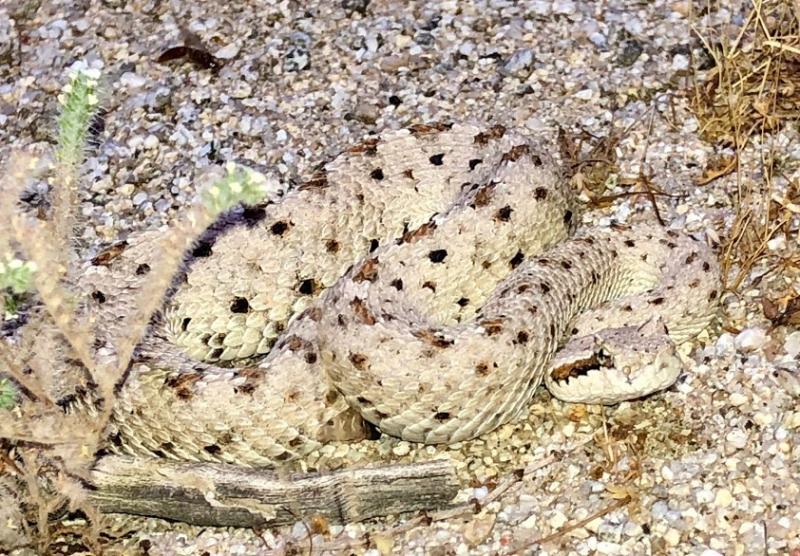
709, 467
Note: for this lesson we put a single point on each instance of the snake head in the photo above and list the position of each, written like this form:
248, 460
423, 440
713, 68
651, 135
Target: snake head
614, 365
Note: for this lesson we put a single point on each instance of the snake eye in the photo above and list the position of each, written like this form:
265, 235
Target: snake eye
604, 358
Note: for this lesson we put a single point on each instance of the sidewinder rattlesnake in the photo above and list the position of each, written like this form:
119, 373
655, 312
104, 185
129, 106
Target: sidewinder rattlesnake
423, 281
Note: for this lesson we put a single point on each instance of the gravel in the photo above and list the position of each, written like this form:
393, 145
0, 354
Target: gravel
708, 467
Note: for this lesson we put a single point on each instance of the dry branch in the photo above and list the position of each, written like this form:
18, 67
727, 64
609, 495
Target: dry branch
233, 496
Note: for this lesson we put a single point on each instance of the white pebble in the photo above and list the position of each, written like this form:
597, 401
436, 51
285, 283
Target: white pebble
557, 520
81, 25
150, 142
565, 7
737, 398
672, 537
130, 80
777, 243
598, 39
401, 41
725, 344
704, 496
763, 419
541, 7
227, 52
633, 25
401, 449
299, 530
605, 547
737, 439
724, 498
241, 90
680, 62
480, 493
751, 339
792, 344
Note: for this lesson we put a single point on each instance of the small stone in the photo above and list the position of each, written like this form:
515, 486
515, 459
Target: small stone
402, 448
682, 7
355, 6
131, 80
634, 26
667, 473
424, 39
299, 530
777, 243
162, 205
139, 198
763, 418
737, 399
792, 344
680, 62
605, 547
81, 25
557, 520
585, 94
725, 344
366, 113
724, 498
631, 50
383, 543
598, 39
150, 142
297, 58
227, 52
704, 496
480, 493
160, 98
736, 439
564, 7
402, 41
479, 529
466, 48
241, 89
751, 339
520, 65
672, 537
541, 7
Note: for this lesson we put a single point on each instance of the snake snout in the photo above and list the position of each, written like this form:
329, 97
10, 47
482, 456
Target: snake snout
613, 366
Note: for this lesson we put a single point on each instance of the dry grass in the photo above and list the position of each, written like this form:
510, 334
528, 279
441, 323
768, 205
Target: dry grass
752, 90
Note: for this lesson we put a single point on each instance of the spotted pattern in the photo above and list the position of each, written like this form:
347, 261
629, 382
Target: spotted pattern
422, 281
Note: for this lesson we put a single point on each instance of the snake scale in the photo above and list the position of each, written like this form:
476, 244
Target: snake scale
425, 281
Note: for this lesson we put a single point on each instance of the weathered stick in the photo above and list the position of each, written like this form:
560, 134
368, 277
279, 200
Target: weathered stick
233, 496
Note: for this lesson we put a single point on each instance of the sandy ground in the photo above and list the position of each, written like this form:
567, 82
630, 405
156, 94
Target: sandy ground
708, 467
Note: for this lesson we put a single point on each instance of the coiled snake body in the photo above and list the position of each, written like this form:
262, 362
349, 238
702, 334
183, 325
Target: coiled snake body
423, 281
